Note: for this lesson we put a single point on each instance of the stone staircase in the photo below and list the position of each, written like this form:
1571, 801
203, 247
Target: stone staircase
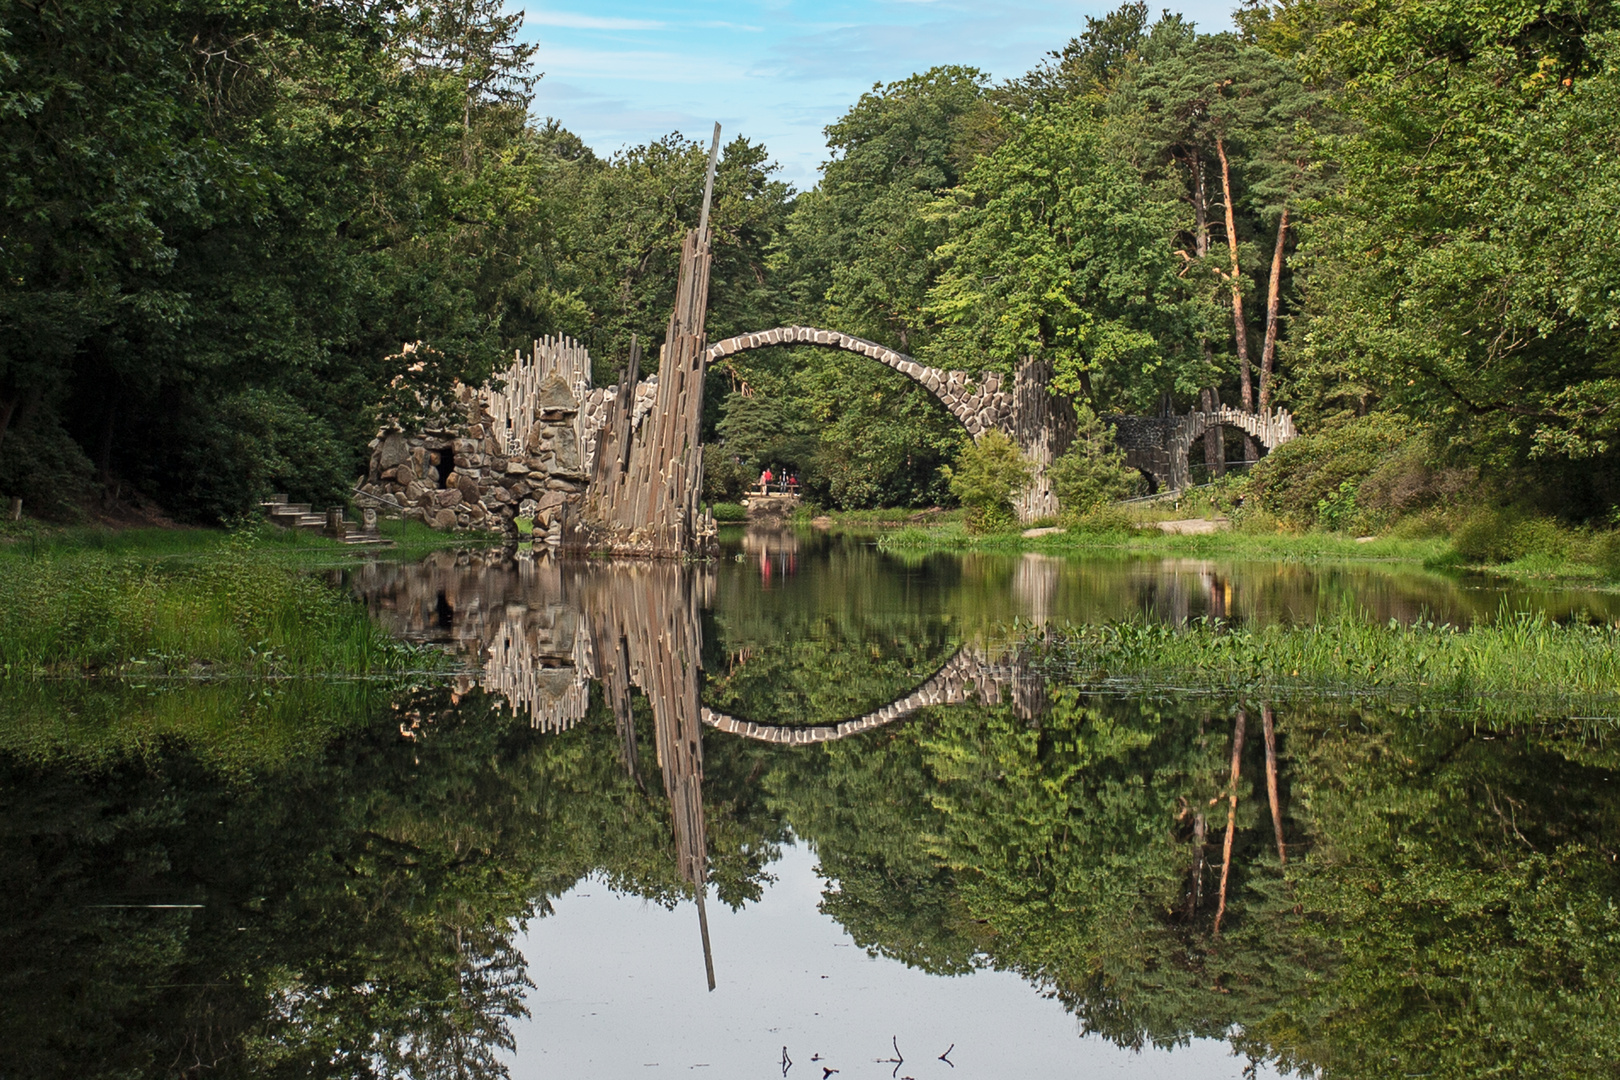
332, 523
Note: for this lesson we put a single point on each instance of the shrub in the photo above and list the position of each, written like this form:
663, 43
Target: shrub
1107, 518
987, 477
1092, 472
724, 477
1356, 475
1498, 535
729, 512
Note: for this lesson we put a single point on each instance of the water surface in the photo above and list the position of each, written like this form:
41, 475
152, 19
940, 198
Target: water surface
838, 783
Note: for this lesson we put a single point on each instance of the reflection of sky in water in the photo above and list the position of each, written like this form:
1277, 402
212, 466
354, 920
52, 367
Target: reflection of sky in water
619, 991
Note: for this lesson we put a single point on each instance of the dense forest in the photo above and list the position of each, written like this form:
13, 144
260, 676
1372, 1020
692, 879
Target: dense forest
221, 222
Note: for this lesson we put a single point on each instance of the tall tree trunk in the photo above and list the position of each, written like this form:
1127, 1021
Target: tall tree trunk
1268, 719
1209, 399
1195, 895
1268, 351
1214, 443
1231, 816
1240, 329
1200, 203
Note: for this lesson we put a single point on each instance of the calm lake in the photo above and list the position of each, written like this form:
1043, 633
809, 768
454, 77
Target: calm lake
813, 810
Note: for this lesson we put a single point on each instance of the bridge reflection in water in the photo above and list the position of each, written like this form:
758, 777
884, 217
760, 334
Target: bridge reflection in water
543, 631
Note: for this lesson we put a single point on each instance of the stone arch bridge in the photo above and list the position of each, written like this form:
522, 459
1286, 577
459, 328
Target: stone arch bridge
979, 404
969, 675
1160, 446
1040, 424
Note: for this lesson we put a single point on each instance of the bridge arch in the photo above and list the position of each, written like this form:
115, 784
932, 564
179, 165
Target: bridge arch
978, 404
969, 673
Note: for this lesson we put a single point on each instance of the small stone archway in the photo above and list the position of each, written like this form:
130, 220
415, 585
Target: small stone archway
1160, 445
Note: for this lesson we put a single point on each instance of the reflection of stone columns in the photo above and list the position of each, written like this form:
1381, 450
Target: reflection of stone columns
542, 630
645, 617
646, 633
1035, 584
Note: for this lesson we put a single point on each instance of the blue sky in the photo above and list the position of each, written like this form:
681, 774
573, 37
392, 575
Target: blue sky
621, 72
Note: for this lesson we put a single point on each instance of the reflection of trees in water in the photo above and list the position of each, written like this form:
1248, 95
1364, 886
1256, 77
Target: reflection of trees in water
1447, 901
1411, 928
355, 905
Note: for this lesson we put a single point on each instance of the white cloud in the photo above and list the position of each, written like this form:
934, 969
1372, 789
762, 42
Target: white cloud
571, 21
633, 65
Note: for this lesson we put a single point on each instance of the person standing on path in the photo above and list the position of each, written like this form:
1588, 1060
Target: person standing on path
765, 479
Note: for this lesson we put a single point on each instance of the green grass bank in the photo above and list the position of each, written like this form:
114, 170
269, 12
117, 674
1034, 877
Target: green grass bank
1520, 663
189, 604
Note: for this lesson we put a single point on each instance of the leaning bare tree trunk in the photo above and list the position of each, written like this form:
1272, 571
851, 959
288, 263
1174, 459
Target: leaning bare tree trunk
1231, 817
1240, 331
1269, 720
1268, 351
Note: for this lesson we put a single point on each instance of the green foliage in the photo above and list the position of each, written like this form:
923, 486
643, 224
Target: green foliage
230, 613
221, 222
1315, 479
41, 463
729, 512
1453, 276
858, 247
987, 476
725, 477
1092, 472
856, 255
766, 432
1059, 250
883, 437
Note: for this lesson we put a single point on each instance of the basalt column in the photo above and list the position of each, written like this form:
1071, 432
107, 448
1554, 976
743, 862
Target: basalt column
646, 485
1043, 426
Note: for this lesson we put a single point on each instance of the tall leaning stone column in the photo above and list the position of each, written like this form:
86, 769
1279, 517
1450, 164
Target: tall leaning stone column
1043, 426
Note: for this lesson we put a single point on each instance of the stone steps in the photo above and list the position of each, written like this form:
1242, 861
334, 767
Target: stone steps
332, 523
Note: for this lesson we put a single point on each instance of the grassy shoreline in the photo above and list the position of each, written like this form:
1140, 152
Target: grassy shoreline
1432, 553
1520, 662
153, 605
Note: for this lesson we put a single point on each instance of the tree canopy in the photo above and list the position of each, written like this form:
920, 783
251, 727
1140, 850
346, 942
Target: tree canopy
220, 223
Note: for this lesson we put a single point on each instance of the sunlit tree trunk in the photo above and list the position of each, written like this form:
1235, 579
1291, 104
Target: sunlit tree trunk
1231, 816
1267, 719
1268, 351
1240, 329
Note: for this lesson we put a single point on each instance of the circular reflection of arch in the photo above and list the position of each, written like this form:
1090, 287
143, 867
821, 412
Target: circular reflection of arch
967, 674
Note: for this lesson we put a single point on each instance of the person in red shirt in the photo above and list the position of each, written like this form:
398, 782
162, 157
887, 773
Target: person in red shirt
765, 479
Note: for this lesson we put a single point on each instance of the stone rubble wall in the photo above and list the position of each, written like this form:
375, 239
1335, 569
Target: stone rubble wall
525, 450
